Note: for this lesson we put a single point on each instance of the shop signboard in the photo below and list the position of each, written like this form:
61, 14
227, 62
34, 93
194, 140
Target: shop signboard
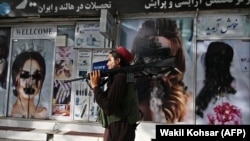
223, 26
62, 8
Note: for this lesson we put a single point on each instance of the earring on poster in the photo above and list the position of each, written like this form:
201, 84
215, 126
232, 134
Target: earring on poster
14, 91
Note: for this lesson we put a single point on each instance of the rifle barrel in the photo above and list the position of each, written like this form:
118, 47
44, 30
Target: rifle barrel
169, 62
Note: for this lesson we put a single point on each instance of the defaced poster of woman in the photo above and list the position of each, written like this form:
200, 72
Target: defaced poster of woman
164, 96
30, 90
223, 86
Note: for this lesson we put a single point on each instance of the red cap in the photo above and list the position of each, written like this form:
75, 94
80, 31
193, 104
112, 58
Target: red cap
125, 53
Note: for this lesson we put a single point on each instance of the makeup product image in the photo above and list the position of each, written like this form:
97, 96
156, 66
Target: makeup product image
83, 110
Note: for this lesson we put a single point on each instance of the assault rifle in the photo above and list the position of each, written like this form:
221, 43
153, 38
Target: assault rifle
164, 64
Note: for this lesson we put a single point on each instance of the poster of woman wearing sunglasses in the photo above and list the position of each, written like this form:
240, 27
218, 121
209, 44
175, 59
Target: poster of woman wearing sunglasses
30, 76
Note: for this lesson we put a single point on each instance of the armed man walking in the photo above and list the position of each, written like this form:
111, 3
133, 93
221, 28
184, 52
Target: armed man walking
119, 112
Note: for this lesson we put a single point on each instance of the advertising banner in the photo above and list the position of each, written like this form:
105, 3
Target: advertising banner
164, 95
64, 69
222, 82
30, 94
88, 35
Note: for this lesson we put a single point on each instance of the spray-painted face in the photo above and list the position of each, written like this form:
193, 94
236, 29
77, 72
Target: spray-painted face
30, 78
25, 75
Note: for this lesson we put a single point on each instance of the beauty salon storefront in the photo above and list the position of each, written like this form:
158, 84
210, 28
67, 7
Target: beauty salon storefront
72, 38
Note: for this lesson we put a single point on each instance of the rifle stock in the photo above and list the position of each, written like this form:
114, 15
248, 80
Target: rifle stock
165, 63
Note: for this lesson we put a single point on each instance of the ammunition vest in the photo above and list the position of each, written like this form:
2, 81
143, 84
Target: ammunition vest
129, 109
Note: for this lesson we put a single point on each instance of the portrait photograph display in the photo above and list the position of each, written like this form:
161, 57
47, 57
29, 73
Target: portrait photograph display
165, 94
222, 70
223, 82
31, 78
